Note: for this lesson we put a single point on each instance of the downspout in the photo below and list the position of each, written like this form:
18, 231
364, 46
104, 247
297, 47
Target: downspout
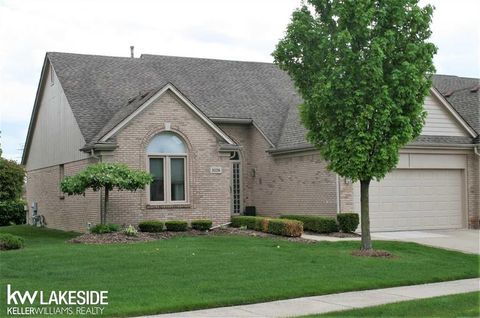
92, 154
338, 193
475, 150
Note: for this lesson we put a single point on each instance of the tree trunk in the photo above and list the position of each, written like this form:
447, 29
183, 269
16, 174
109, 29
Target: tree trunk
365, 215
105, 205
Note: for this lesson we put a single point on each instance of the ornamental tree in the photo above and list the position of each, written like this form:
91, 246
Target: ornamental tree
363, 69
106, 176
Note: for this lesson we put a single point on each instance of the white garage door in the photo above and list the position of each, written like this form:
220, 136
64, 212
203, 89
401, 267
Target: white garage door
415, 200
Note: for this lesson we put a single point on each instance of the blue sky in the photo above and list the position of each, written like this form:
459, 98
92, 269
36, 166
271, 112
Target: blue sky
240, 30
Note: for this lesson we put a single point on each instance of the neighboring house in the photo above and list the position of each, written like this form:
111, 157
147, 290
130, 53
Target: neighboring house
222, 135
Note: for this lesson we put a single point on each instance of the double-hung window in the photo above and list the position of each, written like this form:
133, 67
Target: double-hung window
167, 163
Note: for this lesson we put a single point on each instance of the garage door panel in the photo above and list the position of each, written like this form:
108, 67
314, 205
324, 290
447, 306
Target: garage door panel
409, 199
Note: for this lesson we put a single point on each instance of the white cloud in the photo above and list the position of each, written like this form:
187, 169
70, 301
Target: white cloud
241, 30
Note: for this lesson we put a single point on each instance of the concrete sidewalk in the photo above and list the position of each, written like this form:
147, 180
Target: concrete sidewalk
334, 302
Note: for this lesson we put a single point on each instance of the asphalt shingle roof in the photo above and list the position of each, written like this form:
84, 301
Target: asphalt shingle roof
458, 92
99, 87
103, 90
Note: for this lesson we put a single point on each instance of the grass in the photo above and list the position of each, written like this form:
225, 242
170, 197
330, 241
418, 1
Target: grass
461, 305
186, 273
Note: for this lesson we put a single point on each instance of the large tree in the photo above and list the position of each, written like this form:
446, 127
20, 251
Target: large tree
106, 176
363, 69
12, 180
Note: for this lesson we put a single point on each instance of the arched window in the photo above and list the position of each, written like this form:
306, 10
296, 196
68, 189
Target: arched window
167, 162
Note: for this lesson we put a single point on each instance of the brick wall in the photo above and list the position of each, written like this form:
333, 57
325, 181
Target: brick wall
71, 213
285, 184
209, 194
473, 190
294, 184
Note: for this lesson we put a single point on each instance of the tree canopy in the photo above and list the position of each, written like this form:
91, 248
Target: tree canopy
12, 178
363, 69
107, 176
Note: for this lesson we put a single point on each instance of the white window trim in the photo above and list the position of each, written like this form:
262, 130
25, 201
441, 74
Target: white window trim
167, 178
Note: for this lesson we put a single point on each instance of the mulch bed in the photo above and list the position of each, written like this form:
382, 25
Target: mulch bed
119, 237
373, 253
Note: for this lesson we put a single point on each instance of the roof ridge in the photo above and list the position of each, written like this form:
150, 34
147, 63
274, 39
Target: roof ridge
203, 58
457, 76
91, 55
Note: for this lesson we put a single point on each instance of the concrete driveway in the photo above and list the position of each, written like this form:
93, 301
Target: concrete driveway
463, 240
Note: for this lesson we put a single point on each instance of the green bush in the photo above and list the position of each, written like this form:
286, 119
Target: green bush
12, 212
318, 224
285, 227
251, 222
104, 228
348, 222
176, 226
202, 225
12, 178
152, 226
269, 225
10, 242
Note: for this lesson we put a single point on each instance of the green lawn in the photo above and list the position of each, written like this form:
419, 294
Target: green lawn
208, 271
461, 305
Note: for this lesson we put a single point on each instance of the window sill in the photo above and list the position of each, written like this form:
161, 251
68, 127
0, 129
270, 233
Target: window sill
168, 206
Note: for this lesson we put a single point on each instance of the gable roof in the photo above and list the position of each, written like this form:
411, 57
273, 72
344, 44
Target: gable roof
463, 94
463, 101
99, 87
119, 120
103, 91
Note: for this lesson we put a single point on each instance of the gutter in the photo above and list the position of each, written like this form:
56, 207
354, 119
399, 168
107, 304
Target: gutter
286, 150
105, 146
301, 148
440, 145
228, 120
228, 148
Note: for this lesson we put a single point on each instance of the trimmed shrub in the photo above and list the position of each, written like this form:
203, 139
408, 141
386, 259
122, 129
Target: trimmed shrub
130, 231
152, 226
348, 222
202, 225
248, 221
256, 223
318, 224
12, 212
285, 227
104, 228
10, 242
268, 225
176, 226
261, 225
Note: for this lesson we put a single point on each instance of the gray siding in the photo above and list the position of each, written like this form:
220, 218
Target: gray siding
56, 136
439, 121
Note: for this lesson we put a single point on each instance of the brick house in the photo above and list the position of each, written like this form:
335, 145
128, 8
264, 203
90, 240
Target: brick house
219, 136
